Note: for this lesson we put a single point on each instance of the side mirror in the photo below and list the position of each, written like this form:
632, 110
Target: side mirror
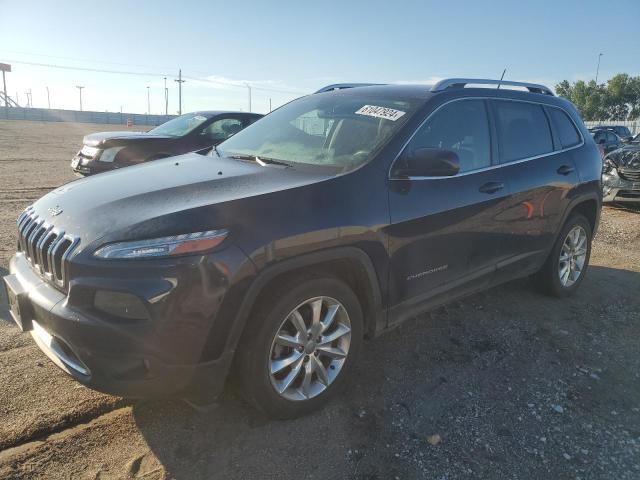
428, 162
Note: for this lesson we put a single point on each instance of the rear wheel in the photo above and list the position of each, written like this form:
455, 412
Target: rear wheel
300, 346
566, 266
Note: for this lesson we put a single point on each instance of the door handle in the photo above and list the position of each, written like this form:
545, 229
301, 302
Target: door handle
491, 187
565, 170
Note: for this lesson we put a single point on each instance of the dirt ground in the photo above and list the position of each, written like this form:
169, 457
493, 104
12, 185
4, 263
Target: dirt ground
506, 384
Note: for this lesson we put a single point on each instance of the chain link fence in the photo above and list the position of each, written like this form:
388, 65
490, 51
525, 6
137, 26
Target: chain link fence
55, 115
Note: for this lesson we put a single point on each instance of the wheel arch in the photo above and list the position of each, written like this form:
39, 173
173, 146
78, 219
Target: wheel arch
349, 264
587, 205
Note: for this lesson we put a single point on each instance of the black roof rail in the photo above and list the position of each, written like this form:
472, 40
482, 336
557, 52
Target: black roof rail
342, 86
462, 82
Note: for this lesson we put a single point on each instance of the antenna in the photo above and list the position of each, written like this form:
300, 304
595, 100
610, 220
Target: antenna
501, 78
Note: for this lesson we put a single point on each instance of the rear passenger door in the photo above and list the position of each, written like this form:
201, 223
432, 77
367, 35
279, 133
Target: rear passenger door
445, 231
539, 166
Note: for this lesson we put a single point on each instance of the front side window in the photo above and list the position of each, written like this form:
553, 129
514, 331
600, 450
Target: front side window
461, 126
565, 129
222, 129
181, 125
338, 130
523, 130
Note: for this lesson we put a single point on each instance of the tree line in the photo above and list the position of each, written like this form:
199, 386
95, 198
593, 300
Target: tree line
618, 99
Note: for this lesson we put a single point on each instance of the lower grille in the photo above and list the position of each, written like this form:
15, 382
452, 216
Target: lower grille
629, 174
46, 247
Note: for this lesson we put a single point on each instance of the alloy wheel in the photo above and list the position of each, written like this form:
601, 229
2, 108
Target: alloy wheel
573, 255
310, 348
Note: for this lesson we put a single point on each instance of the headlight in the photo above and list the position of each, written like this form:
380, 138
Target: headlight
609, 167
163, 247
88, 151
109, 154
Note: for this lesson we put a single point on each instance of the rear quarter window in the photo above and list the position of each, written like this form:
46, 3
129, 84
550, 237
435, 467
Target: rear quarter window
564, 127
523, 130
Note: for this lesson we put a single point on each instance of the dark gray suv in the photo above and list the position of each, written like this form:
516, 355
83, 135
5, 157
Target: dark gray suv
332, 219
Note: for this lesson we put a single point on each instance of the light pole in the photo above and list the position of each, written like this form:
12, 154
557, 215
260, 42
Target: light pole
148, 102
48, 99
598, 69
249, 87
180, 82
79, 87
166, 97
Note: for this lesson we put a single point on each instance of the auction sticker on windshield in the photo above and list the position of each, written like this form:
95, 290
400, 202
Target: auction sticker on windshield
381, 112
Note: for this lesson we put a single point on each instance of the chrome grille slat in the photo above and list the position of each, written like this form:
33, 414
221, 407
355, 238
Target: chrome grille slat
32, 239
629, 174
43, 238
45, 247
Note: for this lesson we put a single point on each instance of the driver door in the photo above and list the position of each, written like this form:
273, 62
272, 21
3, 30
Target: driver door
445, 232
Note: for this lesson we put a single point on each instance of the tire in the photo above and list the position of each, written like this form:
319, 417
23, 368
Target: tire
548, 279
283, 393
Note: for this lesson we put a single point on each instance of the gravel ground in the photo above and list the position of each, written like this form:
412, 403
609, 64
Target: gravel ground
505, 384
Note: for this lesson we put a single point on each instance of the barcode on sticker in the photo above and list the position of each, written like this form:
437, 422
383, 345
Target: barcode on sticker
381, 112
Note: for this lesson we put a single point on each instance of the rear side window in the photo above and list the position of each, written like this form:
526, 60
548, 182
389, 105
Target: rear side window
565, 129
523, 130
461, 126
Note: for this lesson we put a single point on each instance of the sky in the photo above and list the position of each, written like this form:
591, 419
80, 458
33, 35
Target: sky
286, 49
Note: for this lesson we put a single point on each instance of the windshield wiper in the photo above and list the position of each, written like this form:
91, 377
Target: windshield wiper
262, 161
272, 161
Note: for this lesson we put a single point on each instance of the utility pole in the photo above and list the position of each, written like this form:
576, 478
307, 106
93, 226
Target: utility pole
269, 104
148, 101
598, 69
5, 67
166, 97
180, 82
249, 87
28, 94
48, 99
79, 87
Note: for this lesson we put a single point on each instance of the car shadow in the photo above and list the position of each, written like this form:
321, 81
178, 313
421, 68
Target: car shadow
625, 207
465, 370
4, 301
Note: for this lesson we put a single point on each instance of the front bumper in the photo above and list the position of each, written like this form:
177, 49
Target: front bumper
154, 357
616, 189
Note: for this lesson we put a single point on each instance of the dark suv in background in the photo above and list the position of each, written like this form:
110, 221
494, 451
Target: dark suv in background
334, 218
608, 139
191, 132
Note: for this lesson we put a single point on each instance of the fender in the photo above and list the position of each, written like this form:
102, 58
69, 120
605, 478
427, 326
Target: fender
269, 273
582, 197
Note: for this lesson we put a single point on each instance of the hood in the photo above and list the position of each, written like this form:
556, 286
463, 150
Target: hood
180, 194
114, 138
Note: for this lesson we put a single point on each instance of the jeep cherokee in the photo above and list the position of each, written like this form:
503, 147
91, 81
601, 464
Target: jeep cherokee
333, 218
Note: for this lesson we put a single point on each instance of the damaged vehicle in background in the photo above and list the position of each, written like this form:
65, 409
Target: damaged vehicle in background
621, 173
191, 132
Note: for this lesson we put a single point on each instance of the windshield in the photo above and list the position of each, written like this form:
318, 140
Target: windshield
335, 130
180, 126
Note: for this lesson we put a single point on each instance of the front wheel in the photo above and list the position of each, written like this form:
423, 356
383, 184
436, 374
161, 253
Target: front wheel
566, 266
300, 346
